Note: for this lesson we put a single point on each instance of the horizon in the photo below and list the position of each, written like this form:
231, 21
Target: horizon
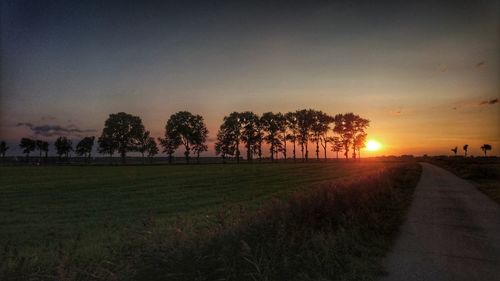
424, 73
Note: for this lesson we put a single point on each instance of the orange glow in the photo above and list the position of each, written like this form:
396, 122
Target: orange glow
373, 145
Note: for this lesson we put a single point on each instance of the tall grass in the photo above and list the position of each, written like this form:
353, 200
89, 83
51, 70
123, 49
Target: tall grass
335, 232
332, 232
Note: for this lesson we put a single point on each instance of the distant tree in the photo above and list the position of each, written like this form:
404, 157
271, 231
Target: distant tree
293, 129
152, 148
107, 145
170, 143
337, 145
42, 146
319, 128
272, 126
349, 127
228, 137
249, 124
189, 129
359, 142
455, 150
485, 148
28, 145
304, 124
259, 138
84, 147
142, 144
466, 147
63, 146
122, 132
3, 148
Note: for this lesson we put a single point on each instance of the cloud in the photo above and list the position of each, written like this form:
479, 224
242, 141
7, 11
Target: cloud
55, 130
486, 102
480, 64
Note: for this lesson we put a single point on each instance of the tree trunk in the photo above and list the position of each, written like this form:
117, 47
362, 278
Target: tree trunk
284, 147
272, 152
237, 152
317, 149
294, 158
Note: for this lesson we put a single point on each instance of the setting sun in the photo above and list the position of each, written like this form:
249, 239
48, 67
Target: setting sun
373, 145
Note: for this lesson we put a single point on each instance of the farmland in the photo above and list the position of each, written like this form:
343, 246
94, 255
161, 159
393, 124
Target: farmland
89, 213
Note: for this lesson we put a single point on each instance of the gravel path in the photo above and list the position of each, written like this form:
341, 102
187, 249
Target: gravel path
452, 232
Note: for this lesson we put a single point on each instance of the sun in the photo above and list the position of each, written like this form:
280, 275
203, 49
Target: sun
373, 145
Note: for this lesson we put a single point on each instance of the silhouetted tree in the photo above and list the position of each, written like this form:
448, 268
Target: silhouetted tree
142, 144
28, 145
225, 145
170, 143
272, 126
359, 143
200, 138
466, 147
63, 146
349, 126
152, 148
3, 148
189, 129
122, 132
304, 124
84, 147
249, 124
228, 137
293, 130
455, 150
42, 146
485, 148
259, 138
319, 128
337, 145
107, 145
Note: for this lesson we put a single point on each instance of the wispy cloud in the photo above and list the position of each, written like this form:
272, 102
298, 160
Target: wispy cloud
480, 64
48, 130
486, 102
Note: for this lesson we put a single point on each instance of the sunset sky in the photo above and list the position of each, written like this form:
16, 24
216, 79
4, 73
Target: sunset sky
425, 73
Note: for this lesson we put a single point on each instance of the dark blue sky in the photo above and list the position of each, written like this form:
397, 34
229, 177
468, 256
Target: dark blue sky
65, 65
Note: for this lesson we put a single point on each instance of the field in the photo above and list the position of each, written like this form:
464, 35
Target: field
89, 214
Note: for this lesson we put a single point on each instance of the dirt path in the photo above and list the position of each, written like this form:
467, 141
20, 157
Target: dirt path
452, 232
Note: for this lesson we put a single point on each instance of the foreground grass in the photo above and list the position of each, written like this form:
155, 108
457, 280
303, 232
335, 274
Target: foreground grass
485, 172
337, 231
56, 218
334, 232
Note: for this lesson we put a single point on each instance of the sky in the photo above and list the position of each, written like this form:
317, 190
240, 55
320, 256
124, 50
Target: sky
424, 72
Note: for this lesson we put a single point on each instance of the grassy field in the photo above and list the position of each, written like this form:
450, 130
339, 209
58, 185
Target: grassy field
87, 212
92, 222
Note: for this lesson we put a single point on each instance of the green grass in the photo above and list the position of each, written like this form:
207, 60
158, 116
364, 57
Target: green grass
89, 212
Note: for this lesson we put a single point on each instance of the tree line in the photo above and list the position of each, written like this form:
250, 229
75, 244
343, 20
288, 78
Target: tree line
298, 130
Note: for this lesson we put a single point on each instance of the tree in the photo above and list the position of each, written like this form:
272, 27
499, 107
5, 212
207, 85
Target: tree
350, 127
122, 132
3, 148
142, 145
84, 147
152, 148
455, 150
293, 129
170, 143
337, 145
28, 145
272, 125
320, 126
42, 146
485, 148
228, 137
359, 142
189, 129
466, 147
304, 123
249, 124
63, 146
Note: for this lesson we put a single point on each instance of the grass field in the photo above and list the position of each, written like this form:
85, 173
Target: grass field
86, 212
